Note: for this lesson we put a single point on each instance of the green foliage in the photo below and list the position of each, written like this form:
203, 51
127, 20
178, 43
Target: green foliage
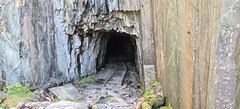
100, 101
148, 93
57, 100
62, 84
109, 96
18, 89
156, 83
165, 107
68, 99
194, 49
3, 106
117, 101
88, 79
145, 105
82, 98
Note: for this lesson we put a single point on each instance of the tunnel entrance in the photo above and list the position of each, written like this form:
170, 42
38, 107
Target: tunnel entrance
117, 76
122, 46
118, 57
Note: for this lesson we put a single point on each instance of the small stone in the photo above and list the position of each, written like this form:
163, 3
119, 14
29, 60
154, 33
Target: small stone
94, 91
79, 89
124, 86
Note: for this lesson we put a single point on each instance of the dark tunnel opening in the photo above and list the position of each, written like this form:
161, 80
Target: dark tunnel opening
121, 45
114, 45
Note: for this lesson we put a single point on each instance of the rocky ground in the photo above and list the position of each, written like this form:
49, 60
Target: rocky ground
98, 94
112, 96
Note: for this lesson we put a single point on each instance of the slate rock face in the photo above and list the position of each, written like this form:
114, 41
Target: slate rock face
227, 58
197, 53
193, 45
42, 40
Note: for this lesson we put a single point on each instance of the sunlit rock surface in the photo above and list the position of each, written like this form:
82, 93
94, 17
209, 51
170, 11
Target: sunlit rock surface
192, 45
60, 39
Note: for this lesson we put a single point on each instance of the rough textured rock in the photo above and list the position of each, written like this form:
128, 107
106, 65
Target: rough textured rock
237, 61
192, 45
66, 92
195, 50
226, 88
60, 39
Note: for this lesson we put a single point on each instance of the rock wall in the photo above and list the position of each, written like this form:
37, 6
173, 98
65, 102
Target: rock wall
237, 60
226, 88
58, 40
192, 45
195, 50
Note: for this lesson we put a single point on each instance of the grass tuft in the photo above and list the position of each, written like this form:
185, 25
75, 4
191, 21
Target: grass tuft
88, 79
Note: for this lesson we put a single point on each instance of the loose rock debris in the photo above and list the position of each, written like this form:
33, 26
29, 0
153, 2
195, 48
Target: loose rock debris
110, 95
96, 95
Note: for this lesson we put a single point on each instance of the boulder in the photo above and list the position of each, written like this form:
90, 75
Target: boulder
66, 92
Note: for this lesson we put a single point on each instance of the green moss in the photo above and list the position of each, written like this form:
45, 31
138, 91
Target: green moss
150, 96
99, 101
15, 99
3, 106
145, 105
153, 100
165, 107
149, 81
148, 93
117, 101
140, 99
142, 87
155, 83
18, 89
57, 100
82, 98
149, 88
168, 104
160, 95
194, 49
68, 99
17, 93
88, 79
109, 96
155, 103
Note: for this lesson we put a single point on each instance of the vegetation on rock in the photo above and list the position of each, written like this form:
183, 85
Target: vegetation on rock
17, 93
88, 79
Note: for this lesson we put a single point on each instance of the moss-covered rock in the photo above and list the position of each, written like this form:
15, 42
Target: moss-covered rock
153, 101
165, 107
145, 105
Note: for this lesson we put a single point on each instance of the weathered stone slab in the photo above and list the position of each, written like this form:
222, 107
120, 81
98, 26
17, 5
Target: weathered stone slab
66, 92
150, 75
67, 105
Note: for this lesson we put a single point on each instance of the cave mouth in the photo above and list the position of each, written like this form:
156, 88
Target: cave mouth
118, 45
121, 45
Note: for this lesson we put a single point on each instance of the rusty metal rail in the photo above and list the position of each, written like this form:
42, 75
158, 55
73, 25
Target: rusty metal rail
119, 72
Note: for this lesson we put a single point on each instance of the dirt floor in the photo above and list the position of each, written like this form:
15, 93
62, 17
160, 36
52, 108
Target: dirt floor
112, 96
